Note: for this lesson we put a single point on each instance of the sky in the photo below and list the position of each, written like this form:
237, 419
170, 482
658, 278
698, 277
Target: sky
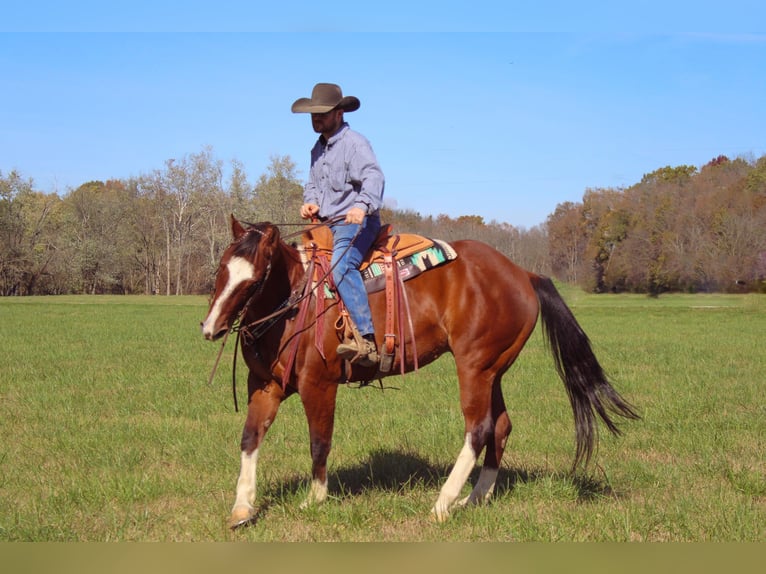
501, 109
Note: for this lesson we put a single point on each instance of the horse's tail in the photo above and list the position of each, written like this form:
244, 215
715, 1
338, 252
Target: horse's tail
586, 384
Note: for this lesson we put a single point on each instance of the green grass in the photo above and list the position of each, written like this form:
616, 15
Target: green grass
109, 431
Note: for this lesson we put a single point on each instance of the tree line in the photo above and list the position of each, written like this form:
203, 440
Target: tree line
163, 232
678, 229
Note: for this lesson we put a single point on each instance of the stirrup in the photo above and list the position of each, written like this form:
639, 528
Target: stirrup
359, 351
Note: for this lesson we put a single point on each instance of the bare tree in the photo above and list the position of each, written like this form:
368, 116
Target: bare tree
278, 194
566, 241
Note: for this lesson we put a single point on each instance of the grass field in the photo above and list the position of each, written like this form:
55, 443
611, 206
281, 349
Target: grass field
110, 432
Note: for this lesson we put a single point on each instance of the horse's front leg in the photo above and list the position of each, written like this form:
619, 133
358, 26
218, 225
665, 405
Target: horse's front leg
264, 401
319, 404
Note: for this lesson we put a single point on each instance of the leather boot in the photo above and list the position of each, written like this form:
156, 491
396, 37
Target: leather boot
360, 350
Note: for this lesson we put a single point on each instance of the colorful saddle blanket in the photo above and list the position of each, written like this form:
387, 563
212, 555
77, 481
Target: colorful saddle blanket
409, 265
413, 254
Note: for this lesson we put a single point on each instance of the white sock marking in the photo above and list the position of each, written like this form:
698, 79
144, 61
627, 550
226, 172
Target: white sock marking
484, 488
466, 460
317, 493
246, 481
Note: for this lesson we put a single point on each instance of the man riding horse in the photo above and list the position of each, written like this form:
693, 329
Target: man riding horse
345, 188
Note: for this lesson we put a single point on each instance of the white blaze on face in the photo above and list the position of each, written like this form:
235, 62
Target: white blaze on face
240, 270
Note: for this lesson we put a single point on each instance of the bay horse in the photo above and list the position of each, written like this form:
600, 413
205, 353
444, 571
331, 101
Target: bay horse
481, 307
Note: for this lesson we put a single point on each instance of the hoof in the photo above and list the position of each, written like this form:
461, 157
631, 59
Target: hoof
439, 515
317, 494
241, 516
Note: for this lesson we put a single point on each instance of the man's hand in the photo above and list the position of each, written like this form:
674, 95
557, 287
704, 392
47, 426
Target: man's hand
309, 210
355, 215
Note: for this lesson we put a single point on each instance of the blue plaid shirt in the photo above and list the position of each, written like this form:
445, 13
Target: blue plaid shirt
344, 174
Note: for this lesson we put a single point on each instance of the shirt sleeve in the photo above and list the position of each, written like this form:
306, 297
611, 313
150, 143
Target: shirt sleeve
310, 193
310, 190
364, 169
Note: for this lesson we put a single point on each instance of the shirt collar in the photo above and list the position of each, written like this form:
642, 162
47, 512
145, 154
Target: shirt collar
336, 136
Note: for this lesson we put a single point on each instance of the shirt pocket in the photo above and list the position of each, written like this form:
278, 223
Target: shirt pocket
339, 178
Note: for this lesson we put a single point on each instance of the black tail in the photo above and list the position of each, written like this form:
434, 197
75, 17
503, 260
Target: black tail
587, 386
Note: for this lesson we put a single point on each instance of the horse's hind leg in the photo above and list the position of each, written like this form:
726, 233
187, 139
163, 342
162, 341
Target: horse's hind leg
496, 442
476, 402
449, 493
319, 404
490, 431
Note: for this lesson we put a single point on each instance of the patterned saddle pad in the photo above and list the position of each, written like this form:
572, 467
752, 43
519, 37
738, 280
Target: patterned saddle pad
414, 254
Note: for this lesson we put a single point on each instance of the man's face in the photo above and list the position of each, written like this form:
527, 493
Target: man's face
327, 123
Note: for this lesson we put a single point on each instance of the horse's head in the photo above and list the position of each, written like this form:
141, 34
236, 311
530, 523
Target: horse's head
242, 273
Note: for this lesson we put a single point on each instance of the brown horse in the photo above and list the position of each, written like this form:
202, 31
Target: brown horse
481, 307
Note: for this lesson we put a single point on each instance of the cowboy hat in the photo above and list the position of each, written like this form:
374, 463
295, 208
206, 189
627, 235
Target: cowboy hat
325, 97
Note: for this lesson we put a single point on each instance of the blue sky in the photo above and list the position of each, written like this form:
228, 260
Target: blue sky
498, 109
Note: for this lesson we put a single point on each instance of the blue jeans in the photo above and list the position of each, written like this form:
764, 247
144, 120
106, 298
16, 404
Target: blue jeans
345, 268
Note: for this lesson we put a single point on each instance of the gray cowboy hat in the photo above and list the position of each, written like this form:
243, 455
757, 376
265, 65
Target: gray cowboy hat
325, 97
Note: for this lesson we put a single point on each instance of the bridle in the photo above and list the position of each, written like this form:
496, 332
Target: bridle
254, 330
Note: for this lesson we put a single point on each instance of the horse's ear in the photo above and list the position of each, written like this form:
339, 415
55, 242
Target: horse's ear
271, 235
236, 228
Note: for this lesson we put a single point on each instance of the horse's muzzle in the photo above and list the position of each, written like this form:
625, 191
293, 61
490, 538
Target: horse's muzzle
213, 335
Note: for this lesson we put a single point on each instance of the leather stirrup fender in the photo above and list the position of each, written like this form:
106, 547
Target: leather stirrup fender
389, 337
